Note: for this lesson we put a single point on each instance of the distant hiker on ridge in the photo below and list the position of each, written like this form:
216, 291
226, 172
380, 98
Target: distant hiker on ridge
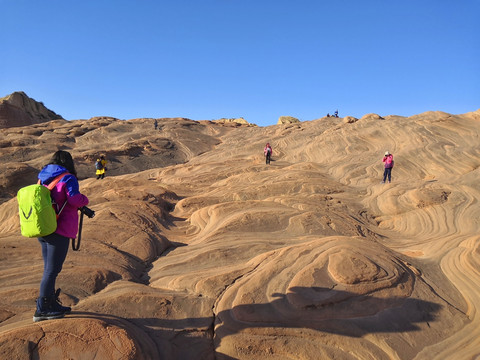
101, 167
155, 123
267, 151
388, 160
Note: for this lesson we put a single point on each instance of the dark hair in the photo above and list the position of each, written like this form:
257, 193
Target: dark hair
63, 158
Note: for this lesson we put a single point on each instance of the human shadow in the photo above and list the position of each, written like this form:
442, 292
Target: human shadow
321, 309
331, 311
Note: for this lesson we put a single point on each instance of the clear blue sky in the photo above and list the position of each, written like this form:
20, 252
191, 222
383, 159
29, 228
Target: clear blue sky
260, 59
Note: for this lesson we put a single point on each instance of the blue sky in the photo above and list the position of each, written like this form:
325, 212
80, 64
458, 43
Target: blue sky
257, 59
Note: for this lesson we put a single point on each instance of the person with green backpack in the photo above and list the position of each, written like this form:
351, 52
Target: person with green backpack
67, 199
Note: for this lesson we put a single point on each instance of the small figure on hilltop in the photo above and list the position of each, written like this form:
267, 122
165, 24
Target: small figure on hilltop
336, 113
155, 123
267, 151
61, 175
101, 167
388, 160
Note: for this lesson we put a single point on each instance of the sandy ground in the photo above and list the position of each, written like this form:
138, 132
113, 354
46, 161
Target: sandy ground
199, 250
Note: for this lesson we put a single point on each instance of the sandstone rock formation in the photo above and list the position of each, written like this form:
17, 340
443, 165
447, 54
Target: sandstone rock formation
199, 250
17, 109
287, 120
234, 121
349, 119
371, 117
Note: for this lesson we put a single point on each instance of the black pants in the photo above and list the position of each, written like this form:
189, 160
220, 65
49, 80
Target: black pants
267, 158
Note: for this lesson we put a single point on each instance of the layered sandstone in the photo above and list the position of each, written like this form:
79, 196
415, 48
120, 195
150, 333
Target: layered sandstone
199, 250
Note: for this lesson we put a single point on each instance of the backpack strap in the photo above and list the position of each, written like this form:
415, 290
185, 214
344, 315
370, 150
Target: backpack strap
52, 184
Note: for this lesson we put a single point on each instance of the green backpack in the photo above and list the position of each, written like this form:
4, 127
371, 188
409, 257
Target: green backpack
37, 215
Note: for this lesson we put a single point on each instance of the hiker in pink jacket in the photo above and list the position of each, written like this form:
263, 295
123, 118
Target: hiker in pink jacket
388, 160
67, 200
267, 151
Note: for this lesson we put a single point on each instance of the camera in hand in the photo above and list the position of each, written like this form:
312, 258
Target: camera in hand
87, 211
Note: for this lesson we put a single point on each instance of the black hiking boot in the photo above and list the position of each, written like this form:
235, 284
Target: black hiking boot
57, 304
45, 310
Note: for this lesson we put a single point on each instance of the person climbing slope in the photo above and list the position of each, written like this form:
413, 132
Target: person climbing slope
101, 167
267, 151
388, 160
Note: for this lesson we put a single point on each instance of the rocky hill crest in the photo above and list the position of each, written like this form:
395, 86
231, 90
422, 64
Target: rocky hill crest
17, 109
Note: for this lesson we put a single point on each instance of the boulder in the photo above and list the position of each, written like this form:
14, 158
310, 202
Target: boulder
233, 121
371, 117
349, 119
287, 120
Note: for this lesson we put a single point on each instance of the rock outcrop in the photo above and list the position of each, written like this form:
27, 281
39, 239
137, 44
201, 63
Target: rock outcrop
287, 120
371, 117
17, 109
349, 119
233, 121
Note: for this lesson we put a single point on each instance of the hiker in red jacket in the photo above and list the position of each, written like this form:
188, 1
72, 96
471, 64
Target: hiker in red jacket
388, 160
267, 151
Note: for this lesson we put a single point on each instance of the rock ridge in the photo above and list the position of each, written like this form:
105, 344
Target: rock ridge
17, 109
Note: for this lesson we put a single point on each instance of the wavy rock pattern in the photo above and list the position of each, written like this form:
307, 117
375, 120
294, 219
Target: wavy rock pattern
343, 286
199, 250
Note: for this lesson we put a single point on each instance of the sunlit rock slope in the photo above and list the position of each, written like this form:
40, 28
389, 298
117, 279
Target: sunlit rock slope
199, 250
